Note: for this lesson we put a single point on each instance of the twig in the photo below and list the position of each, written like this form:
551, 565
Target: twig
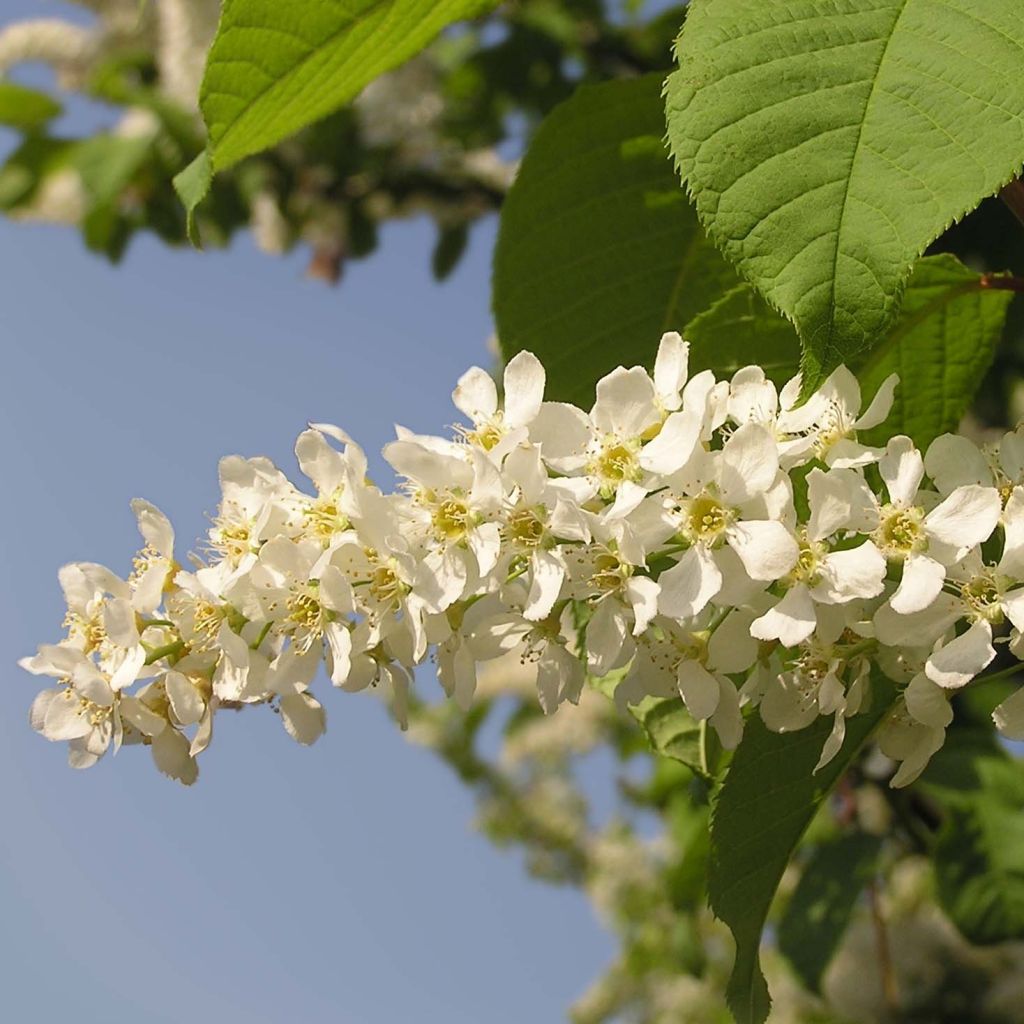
890, 993
1001, 282
1013, 196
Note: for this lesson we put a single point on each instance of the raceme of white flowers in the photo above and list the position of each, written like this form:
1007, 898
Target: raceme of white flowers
710, 541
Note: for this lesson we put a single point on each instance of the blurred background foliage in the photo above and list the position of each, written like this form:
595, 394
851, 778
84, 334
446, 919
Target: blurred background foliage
862, 930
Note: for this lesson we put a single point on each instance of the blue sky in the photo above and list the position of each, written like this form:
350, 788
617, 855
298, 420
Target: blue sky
342, 883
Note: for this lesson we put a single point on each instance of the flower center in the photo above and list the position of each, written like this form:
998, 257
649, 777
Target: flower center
487, 436
231, 539
385, 586
983, 599
526, 527
808, 564
706, 519
609, 572
304, 622
616, 462
451, 519
91, 632
901, 531
323, 519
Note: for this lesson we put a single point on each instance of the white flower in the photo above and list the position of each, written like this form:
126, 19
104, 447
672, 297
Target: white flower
627, 437
723, 502
672, 661
832, 417
926, 542
822, 575
498, 429
332, 472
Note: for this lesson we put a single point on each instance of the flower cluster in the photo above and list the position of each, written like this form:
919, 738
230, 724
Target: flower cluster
713, 541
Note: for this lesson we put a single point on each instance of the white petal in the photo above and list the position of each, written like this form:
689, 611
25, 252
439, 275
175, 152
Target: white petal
967, 517
476, 395
959, 661
767, 549
727, 720
674, 445
155, 527
142, 717
687, 587
902, 469
434, 469
790, 622
606, 637
324, 465
920, 586
747, 464
625, 405
642, 593
952, 460
698, 688
731, 647
881, 405
37, 713
339, 644
1013, 605
927, 702
546, 575
563, 433
857, 573
186, 703
524, 389
834, 743
1012, 561
839, 500
303, 717
172, 757
119, 622
66, 719
1009, 716
671, 366
204, 734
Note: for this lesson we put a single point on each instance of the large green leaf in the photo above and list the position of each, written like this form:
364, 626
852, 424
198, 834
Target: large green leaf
279, 65
828, 142
599, 252
819, 909
941, 346
979, 852
768, 798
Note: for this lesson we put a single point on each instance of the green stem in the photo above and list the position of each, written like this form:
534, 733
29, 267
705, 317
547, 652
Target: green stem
167, 651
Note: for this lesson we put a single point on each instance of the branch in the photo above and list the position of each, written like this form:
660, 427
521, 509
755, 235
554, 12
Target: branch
1003, 282
1013, 196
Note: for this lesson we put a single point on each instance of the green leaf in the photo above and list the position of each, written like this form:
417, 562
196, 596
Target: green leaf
740, 329
192, 185
279, 65
25, 109
670, 729
451, 244
673, 732
29, 165
820, 907
979, 853
766, 802
828, 142
941, 346
599, 252
108, 163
